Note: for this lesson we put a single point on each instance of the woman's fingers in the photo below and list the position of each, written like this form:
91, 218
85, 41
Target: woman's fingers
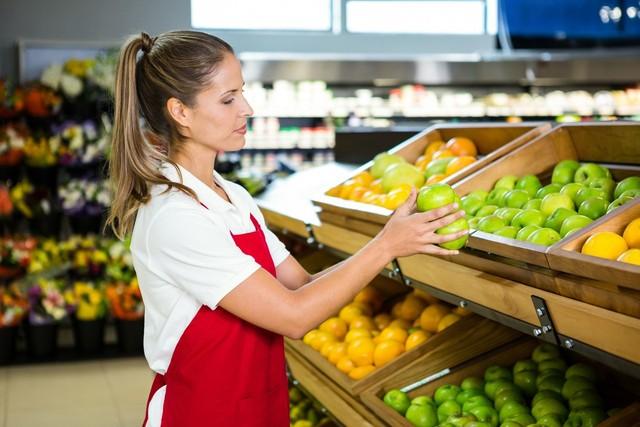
435, 250
409, 206
443, 238
434, 214
446, 220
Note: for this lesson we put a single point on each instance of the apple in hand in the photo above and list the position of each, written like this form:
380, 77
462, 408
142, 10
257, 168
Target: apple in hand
593, 207
533, 204
556, 219
564, 172
457, 225
530, 183
571, 190
544, 237
574, 223
548, 189
551, 202
435, 196
490, 224
401, 173
486, 210
382, 161
630, 183
589, 171
528, 217
508, 182
526, 231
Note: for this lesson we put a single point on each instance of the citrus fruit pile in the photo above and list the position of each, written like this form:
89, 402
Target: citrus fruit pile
540, 391
363, 337
390, 179
303, 412
522, 208
610, 245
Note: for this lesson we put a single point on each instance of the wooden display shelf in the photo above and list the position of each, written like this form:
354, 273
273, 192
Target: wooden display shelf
493, 140
420, 379
614, 145
567, 257
346, 409
444, 349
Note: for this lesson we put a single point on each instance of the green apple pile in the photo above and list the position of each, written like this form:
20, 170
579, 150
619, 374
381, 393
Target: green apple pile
303, 412
537, 392
522, 208
436, 196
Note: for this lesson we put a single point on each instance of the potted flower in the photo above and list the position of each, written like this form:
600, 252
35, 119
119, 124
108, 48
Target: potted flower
85, 202
46, 255
6, 208
36, 204
88, 259
12, 141
14, 258
48, 309
13, 308
41, 158
87, 303
11, 100
41, 102
83, 143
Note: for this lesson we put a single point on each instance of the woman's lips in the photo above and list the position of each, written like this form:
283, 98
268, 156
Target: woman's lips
242, 130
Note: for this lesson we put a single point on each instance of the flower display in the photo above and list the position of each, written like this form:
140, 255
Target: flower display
47, 254
30, 201
11, 100
81, 196
13, 306
41, 101
84, 142
47, 302
6, 205
12, 143
42, 151
125, 300
88, 257
86, 300
15, 254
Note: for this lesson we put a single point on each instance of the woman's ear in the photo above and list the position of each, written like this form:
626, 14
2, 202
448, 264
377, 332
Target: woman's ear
179, 112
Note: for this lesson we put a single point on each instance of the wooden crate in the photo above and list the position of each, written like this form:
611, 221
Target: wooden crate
614, 145
470, 336
566, 256
493, 141
505, 355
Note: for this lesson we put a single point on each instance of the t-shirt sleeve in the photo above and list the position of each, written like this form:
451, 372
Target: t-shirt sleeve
197, 255
278, 250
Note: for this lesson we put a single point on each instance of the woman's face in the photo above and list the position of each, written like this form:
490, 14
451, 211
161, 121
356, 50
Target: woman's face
218, 120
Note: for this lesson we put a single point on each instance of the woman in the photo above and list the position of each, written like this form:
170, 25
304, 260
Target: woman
219, 289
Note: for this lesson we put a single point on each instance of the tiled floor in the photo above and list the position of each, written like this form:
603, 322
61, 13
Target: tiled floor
109, 393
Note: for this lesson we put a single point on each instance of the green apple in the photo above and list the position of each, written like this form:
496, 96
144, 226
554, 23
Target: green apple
573, 223
435, 196
528, 217
593, 207
526, 231
471, 204
586, 193
533, 204
548, 189
530, 183
546, 394
586, 399
556, 363
465, 395
382, 161
447, 409
589, 171
397, 400
564, 172
525, 365
478, 424
545, 352
460, 420
544, 237
571, 190
472, 383
437, 166
496, 372
555, 220
423, 400
635, 193
490, 224
526, 381
507, 214
516, 198
581, 370
485, 414
457, 225
422, 415
510, 423
491, 387
504, 396
508, 231
508, 182
576, 384
551, 202
446, 392
473, 222
551, 420
630, 183
401, 173
548, 373
496, 195
549, 406
486, 210
523, 419
587, 417
512, 408
605, 184
618, 202
475, 402
553, 383
479, 194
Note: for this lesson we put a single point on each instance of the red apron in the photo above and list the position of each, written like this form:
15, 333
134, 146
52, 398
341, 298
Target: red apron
226, 371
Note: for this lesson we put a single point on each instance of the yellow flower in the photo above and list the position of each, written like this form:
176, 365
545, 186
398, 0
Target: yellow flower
100, 257
95, 297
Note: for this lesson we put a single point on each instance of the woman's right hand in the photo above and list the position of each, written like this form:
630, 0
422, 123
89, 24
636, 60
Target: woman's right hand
409, 232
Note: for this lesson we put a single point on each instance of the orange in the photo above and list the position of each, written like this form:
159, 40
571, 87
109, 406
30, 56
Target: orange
371, 296
363, 322
395, 310
415, 324
399, 323
360, 351
345, 364
632, 234
357, 193
422, 162
320, 338
350, 312
461, 146
381, 200
441, 154
363, 178
411, 308
376, 186
605, 244
346, 188
393, 333
447, 321
361, 372
382, 320
309, 336
327, 348
435, 178
335, 326
335, 191
425, 296
396, 197
338, 351
459, 163
461, 311
364, 307
416, 338
354, 334
386, 351
432, 148
432, 315
369, 197
632, 256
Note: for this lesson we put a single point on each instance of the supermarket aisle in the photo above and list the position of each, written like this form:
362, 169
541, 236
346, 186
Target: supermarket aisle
110, 393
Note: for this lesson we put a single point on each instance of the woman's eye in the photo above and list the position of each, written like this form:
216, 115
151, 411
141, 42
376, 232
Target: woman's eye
227, 102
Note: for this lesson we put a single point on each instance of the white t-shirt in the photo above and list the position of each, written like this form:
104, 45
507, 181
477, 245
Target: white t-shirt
185, 256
